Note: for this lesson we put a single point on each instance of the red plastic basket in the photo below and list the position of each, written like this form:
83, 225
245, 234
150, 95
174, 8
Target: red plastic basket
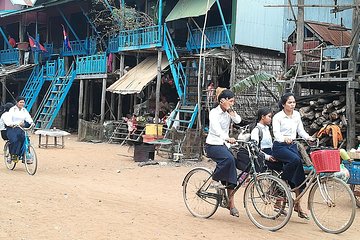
326, 160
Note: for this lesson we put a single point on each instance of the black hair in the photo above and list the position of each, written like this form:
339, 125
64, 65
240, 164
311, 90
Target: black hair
283, 99
263, 112
226, 93
19, 98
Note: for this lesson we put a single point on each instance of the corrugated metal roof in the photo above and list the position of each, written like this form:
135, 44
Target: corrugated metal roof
138, 77
331, 33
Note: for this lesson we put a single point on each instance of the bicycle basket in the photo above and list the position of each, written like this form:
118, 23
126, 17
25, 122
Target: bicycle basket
326, 160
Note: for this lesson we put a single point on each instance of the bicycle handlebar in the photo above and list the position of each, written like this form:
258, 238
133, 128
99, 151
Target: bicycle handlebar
316, 140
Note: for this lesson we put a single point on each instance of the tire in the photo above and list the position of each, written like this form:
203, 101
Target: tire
200, 196
30, 160
268, 202
7, 157
356, 190
334, 216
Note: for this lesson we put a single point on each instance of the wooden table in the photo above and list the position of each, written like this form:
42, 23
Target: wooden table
57, 134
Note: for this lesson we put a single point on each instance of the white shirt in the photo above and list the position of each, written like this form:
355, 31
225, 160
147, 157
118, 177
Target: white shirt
288, 126
266, 141
219, 126
2, 121
18, 116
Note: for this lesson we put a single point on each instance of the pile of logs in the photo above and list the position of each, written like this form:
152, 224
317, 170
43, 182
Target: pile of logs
317, 112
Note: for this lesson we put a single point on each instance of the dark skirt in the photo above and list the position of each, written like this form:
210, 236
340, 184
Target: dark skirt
277, 166
225, 170
293, 170
16, 138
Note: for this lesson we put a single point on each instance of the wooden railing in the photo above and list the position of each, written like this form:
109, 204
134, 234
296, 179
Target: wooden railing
95, 64
141, 38
9, 56
215, 37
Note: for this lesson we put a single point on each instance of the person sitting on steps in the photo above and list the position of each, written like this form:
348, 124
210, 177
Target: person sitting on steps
216, 147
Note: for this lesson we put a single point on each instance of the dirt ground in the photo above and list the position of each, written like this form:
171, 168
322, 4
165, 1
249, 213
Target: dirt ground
96, 191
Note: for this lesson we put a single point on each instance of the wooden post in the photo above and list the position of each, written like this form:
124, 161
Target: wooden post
233, 69
112, 106
3, 89
91, 98
119, 113
158, 84
350, 89
81, 99
103, 98
300, 36
86, 100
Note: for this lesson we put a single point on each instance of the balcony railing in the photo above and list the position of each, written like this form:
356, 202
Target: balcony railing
215, 37
141, 38
84, 47
9, 56
95, 64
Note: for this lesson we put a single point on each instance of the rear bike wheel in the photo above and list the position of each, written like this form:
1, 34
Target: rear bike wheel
200, 196
268, 202
332, 205
356, 190
30, 160
7, 157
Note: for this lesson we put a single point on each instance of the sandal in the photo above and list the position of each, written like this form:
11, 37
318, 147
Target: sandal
301, 213
234, 212
280, 210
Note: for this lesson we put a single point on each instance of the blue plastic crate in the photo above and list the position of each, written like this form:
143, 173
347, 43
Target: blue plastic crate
354, 169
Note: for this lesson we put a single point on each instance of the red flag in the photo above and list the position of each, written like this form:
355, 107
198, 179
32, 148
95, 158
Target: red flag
36, 45
66, 38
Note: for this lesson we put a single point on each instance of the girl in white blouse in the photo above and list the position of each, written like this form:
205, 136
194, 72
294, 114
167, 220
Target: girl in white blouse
286, 125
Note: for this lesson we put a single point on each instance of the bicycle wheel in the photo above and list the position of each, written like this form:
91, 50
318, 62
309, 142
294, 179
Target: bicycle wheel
7, 157
332, 205
268, 202
200, 197
356, 190
30, 160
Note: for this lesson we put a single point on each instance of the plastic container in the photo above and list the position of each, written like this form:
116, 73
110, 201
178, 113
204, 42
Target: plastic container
154, 129
326, 160
354, 169
344, 155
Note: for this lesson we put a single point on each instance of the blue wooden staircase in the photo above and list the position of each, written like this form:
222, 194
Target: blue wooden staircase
33, 86
53, 99
185, 111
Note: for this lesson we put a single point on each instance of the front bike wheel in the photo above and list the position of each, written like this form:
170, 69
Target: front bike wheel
200, 197
332, 205
7, 157
30, 160
268, 202
356, 190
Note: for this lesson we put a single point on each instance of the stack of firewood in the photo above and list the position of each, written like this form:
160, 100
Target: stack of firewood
317, 112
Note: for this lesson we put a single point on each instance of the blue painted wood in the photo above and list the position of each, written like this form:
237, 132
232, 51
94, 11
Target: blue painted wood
84, 47
141, 38
95, 64
53, 100
176, 67
50, 50
215, 37
9, 56
5, 38
33, 86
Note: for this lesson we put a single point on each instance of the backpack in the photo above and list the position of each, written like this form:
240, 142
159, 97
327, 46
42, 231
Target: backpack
245, 133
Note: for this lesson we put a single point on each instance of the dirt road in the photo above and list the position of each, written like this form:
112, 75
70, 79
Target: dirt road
96, 191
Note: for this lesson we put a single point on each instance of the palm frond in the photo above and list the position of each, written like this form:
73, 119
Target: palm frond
252, 80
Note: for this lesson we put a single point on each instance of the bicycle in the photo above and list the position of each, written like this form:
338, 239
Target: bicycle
28, 154
267, 199
330, 201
